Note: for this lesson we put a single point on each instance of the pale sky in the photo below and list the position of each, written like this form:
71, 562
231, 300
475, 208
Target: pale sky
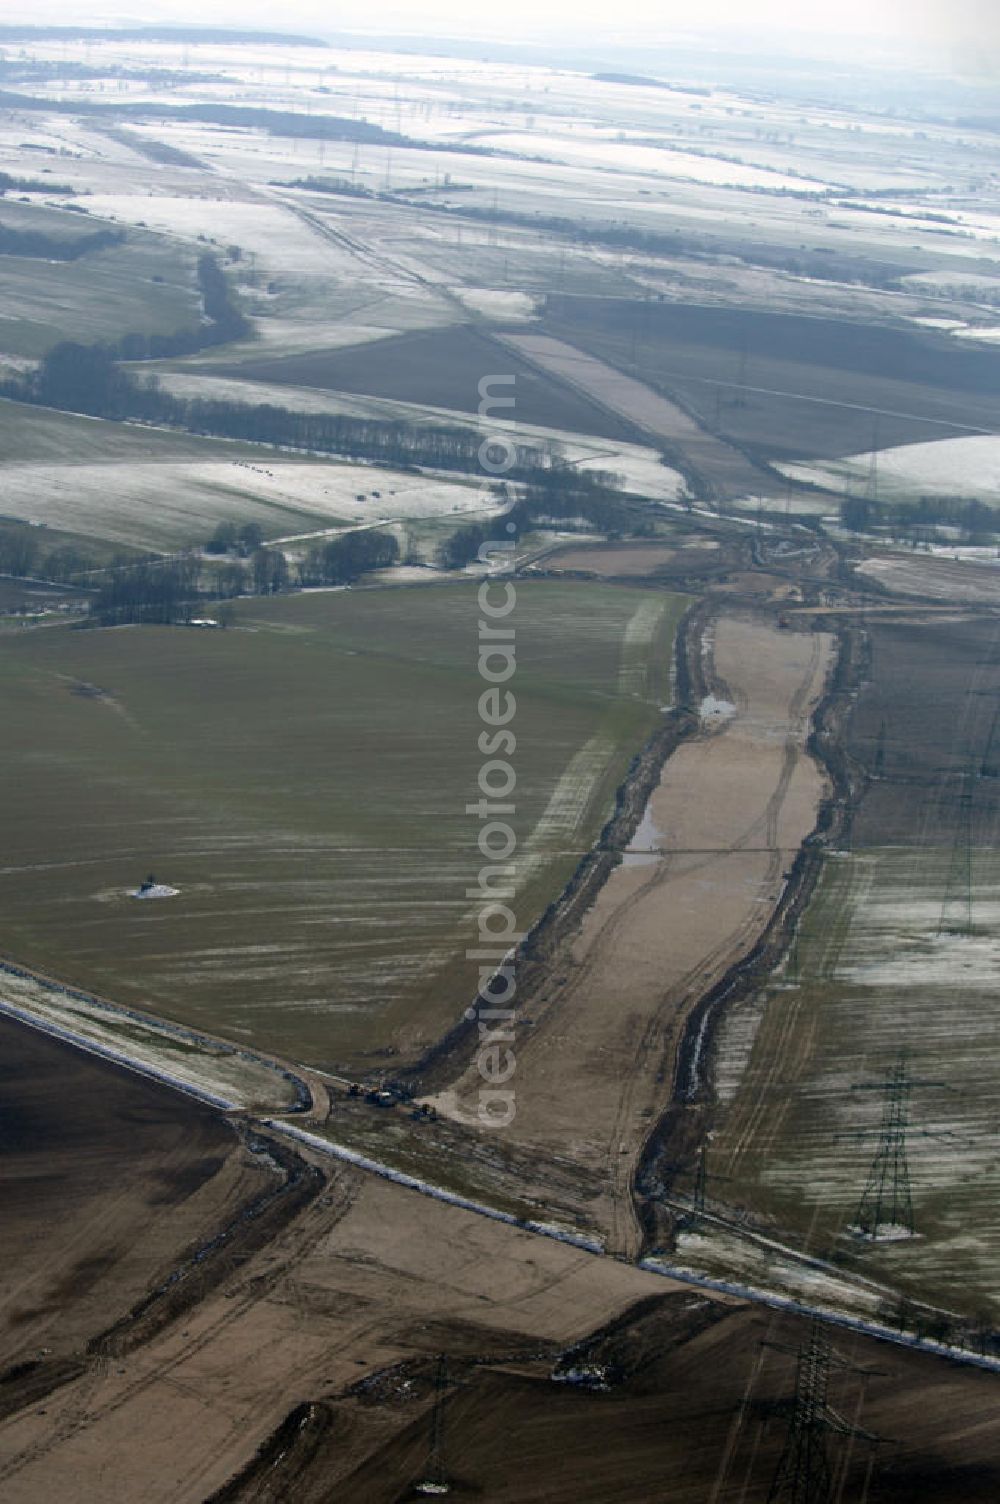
579, 17
958, 29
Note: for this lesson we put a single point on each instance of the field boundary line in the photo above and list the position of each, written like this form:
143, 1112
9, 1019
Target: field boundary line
115, 1056
168, 1029
650, 1265
751, 1293
437, 1066
427, 1188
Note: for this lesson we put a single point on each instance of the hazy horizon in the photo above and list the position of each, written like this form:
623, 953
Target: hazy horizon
964, 35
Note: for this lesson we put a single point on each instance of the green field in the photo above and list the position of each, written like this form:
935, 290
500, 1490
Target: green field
886, 961
40, 436
302, 779
103, 295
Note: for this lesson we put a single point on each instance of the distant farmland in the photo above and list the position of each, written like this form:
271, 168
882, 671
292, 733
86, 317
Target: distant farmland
787, 386
443, 368
923, 721
302, 779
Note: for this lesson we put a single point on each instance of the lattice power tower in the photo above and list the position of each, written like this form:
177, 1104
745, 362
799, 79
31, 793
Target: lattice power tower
886, 1202
805, 1473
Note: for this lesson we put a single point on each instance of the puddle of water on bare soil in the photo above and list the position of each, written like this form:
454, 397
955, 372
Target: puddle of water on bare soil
646, 846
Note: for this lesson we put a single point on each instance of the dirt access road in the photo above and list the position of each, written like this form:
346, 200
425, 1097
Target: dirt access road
367, 1276
706, 869
712, 460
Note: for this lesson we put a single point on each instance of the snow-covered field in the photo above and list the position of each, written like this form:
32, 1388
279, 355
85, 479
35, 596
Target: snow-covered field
958, 282
897, 954
955, 574
282, 242
170, 504
968, 467
638, 466
495, 303
304, 289
660, 161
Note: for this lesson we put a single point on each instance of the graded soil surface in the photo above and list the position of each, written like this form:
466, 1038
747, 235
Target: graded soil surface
106, 1181
565, 1376
368, 1276
595, 1062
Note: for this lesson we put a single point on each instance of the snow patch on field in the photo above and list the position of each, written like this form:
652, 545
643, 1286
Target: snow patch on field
954, 283
310, 288
989, 335
190, 1062
715, 712
641, 472
567, 807
760, 1263
944, 467
888, 1232
937, 577
886, 961
498, 303
639, 633
660, 161
639, 468
737, 1032
930, 323
923, 944
278, 237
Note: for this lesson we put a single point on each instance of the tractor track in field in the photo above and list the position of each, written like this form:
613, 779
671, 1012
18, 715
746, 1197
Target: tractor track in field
289, 1245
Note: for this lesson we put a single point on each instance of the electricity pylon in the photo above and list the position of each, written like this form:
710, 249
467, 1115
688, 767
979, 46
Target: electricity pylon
878, 767
886, 1200
741, 373
805, 1474
957, 908
871, 484
699, 1190
700, 1183
434, 1480
988, 767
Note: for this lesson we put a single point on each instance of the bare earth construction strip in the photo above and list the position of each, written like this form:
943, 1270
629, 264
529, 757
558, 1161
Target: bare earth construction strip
724, 823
